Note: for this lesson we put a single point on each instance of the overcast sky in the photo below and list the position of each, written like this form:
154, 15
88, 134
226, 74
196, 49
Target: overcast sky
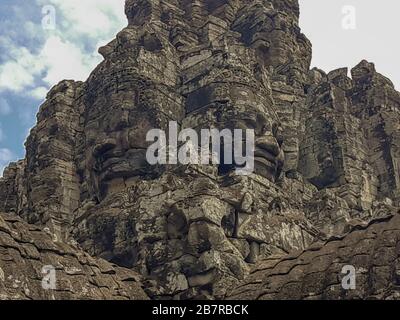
338, 42
33, 58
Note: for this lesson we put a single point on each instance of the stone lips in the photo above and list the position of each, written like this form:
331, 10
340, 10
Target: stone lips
327, 148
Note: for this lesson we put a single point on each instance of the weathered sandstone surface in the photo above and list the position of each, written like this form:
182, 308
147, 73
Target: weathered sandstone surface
25, 253
327, 147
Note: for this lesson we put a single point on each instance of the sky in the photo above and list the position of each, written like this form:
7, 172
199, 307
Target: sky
45, 41
344, 32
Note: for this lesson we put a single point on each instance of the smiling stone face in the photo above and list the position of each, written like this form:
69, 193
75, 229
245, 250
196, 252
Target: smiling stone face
232, 92
268, 153
118, 149
191, 231
116, 140
223, 95
123, 105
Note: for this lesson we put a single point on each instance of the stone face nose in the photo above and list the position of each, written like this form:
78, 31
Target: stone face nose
268, 143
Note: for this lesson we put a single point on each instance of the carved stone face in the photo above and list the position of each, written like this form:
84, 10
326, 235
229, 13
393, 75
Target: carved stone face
257, 35
269, 34
268, 153
138, 96
321, 159
117, 149
228, 102
185, 228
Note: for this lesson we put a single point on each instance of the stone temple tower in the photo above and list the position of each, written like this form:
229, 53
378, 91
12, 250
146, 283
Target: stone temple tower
327, 147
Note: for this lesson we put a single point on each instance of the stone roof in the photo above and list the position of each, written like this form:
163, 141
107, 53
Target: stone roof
25, 250
316, 273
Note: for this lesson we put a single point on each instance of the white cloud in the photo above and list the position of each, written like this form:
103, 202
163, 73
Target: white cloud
64, 60
68, 52
5, 157
20, 72
92, 18
39, 93
14, 77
